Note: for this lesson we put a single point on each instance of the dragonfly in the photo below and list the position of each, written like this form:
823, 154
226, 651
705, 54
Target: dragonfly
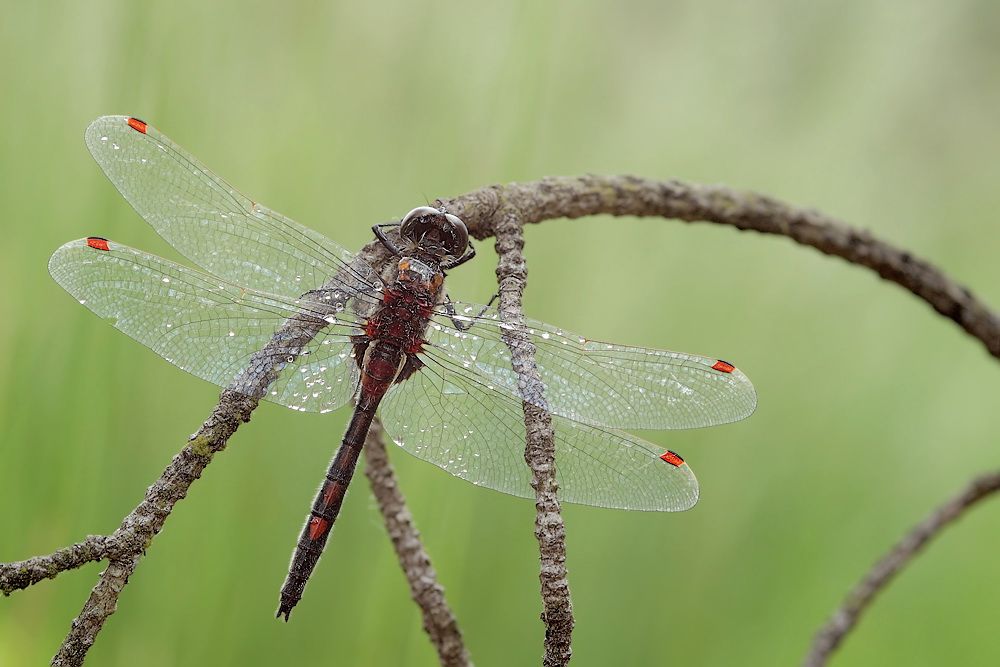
279, 312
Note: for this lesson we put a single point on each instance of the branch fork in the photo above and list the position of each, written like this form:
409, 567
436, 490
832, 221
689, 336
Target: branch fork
501, 211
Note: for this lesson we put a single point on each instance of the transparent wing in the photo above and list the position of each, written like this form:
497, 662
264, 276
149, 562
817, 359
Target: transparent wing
207, 220
297, 351
449, 417
597, 383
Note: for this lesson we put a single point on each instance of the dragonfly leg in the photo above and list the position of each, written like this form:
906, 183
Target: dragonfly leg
453, 314
385, 239
469, 254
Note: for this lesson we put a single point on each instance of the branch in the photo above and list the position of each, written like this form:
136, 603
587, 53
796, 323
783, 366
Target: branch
491, 210
844, 619
439, 621
630, 195
500, 211
127, 545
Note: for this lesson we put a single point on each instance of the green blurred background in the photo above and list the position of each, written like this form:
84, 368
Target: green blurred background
873, 409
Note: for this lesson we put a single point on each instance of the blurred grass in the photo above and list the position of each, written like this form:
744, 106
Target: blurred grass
872, 408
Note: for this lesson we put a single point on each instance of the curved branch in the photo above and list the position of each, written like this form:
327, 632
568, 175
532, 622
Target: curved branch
843, 620
630, 195
488, 210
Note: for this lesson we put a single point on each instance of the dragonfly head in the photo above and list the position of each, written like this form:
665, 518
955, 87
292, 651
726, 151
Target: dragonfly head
432, 231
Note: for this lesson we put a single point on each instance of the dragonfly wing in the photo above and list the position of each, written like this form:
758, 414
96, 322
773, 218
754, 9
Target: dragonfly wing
210, 222
601, 383
298, 352
454, 419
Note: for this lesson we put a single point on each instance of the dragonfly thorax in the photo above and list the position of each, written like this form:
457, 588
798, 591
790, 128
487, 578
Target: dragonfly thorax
416, 276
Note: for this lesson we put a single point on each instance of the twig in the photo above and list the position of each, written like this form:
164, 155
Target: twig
15, 576
861, 596
557, 614
439, 621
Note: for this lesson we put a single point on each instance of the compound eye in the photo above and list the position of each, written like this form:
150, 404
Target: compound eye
418, 212
459, 236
